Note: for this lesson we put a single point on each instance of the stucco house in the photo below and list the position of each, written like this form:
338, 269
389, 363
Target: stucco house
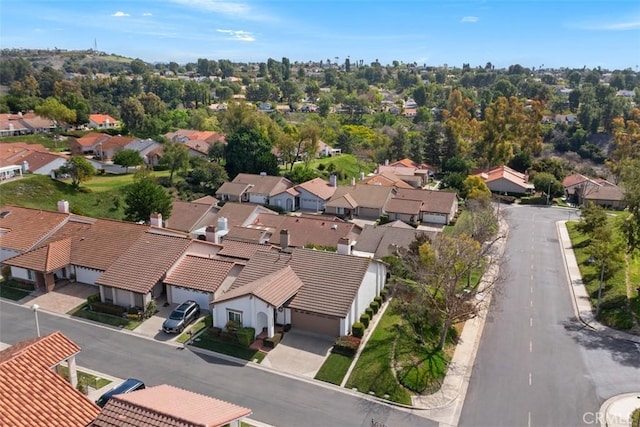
378, 241
169, 406
33, 390
503, 179
438, 207
313, 195
607, 196
315, 291
361, 201
253, 188
102, 121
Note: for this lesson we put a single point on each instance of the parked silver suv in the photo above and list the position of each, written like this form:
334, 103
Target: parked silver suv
181, 317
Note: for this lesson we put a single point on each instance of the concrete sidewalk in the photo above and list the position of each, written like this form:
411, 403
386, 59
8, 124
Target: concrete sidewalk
616, 412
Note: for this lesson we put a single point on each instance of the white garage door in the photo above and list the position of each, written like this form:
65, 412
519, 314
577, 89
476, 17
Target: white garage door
180, 295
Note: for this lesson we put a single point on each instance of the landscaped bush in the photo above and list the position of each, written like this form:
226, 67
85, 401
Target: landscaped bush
357, 330
369, 311
273, 341
375, 306
378, 299
215, 331
17, 284
612, 302
93, 298
245, 336
106, 308
364, 319
229, 336
384, 293
151, 309
347, 345
537, 200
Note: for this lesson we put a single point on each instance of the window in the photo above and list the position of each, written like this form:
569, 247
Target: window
234, 316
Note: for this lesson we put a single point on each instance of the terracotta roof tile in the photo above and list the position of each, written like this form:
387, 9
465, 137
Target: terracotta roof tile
263, 184
321, 231
32, 394
101, 118
46, 259
404, 206
241, 214
27, 227
250, 233
318, 187
167, 406
145, 263
366, 196
232, 188
275, 288
242, 250
92, 138
202, 274
330, 280
189, 216
433, 200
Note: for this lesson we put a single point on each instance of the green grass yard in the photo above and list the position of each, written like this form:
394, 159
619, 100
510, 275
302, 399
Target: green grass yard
83, 312
217, 345
334, 368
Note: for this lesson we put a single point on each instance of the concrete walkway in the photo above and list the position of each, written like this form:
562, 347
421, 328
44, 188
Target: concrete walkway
299, 353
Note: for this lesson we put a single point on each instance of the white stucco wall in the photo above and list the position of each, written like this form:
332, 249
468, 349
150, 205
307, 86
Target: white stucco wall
371, 285
310, 201
87, 275
248, 305
260, 199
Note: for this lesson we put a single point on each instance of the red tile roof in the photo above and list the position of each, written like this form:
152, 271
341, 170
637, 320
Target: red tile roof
318, 187
242, 250
27, 227
145, 263
330, 280
433, 200
92, 138
275, 288
167, 406
199, 273
263, 184
32, 394
46, 259
102, 118
403, 206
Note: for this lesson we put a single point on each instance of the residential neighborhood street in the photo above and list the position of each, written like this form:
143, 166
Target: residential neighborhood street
537, 365
275, 399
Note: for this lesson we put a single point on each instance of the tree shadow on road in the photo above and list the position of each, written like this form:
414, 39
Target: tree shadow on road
622, 351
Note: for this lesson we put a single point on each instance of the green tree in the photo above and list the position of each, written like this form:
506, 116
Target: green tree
127, 158
145, 197
593, 216
631, 180
79, 169
176, 157
132, 113
53, 109
547, 184
207, 178
474, 187
249, 151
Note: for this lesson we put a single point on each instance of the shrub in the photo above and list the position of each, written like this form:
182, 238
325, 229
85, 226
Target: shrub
232, 326
93, 298
229, 336
384, 293
273, 341
369, 311
346, 345
106, 308
378, 299
151, 309
375, 306
357, 330
364, 319
612, 302
246, 336
215, 331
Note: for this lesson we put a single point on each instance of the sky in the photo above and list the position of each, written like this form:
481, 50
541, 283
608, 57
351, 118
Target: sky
532, 33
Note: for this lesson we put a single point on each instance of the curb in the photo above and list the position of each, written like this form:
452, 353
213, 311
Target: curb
575, 281
613, 420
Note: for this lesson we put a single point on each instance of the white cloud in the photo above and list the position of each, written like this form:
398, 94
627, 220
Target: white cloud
216, 6
611, 26
119, 14
147, 14
239, 35
470, 19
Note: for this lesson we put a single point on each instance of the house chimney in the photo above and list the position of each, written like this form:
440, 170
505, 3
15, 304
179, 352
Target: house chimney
353, 181
210, 234
156, 219
361, 176
386, 162
223, 224
25, 166
63, 206
263, 174
333, 180
285, 239
344, 246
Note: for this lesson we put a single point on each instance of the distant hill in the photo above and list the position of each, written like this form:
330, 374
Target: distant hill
70, 61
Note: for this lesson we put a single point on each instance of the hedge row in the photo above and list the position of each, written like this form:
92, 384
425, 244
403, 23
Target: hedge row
346, 345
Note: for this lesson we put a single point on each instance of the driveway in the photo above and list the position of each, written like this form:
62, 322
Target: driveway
299, 353
152, 327
62, 299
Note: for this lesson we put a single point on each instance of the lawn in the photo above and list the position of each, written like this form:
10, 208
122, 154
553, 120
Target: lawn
334, 368
346, 166
615, 308
87, 379
418, 368
195, 329
219, 346
45, 140
83, 312
14, 294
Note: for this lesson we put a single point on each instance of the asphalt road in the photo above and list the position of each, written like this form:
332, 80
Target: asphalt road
537, 365
274, 399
